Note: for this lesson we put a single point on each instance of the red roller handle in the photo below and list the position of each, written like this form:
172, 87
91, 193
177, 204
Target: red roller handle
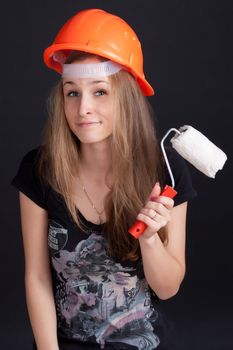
139, 227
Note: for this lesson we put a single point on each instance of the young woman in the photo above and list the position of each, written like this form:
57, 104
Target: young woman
89, 283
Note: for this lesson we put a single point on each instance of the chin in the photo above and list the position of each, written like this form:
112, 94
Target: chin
94, 139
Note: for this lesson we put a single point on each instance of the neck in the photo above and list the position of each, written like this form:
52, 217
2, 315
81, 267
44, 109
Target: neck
95, 163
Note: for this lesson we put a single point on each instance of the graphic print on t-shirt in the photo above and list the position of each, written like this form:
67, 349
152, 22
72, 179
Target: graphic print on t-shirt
57, 237
100, 300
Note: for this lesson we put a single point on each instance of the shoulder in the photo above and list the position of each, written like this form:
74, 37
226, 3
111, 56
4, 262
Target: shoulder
173, 156
32, 156
28, 165
27, 179
181, 174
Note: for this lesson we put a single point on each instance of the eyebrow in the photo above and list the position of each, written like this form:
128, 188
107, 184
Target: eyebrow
90, 83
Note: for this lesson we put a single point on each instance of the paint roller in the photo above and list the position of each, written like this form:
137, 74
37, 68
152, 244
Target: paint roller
198, 150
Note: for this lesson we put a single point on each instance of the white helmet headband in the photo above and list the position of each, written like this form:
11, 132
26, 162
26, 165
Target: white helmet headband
90, 70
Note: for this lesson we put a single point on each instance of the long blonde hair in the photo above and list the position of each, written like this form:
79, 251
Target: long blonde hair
137, 162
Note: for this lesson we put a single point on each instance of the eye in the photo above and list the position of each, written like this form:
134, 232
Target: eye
101, 92
72, 94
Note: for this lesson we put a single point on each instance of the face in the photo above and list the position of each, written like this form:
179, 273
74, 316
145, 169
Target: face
88, 107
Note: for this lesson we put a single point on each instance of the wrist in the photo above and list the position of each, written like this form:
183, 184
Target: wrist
55, 347
149, 240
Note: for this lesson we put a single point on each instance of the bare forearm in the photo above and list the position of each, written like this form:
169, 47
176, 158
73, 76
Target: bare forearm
41, 308
163, 272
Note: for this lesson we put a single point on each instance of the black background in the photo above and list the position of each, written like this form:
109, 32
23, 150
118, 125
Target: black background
188, 59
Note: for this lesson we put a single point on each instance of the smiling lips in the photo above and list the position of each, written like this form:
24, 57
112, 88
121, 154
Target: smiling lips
83, 125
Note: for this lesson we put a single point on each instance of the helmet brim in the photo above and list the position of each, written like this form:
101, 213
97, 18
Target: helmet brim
51, 63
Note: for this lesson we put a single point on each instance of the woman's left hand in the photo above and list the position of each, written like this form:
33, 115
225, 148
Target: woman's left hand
156, 213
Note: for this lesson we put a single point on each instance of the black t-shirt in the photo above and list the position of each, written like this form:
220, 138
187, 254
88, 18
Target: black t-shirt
99, 300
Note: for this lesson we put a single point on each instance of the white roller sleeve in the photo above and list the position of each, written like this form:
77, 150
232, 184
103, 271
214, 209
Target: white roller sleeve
197, 149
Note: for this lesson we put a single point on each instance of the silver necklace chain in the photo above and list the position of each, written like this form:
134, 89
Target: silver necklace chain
99, 213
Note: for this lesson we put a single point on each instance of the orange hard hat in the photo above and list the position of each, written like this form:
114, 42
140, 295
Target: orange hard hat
99, 32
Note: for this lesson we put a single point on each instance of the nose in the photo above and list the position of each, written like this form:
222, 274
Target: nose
85, 105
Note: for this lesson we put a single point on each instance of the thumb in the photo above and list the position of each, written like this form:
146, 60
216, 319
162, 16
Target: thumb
155, 192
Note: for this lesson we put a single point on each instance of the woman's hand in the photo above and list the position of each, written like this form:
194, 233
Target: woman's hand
156, 213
